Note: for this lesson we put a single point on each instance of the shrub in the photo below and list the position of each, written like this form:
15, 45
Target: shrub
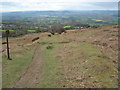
49, 47
57, 29
49, 35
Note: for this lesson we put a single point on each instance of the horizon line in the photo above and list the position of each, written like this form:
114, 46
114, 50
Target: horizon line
55, 10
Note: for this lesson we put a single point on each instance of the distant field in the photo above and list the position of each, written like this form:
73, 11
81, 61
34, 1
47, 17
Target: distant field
76, 59
15, 30
42, 21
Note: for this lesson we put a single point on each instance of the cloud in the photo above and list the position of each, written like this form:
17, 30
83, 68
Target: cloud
25, 5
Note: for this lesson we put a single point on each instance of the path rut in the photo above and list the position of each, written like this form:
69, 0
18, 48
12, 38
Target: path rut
32, 75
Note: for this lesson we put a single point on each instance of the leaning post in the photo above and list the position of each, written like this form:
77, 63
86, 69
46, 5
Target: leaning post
8, 53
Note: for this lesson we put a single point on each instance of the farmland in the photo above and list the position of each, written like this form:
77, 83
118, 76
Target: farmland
26, 22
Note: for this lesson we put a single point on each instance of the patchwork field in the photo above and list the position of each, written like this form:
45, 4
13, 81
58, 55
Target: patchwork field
86, 58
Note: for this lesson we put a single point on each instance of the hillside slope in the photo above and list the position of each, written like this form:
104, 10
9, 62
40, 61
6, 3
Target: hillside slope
76, 59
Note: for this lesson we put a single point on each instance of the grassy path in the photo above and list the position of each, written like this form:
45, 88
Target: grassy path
31, 77
13, 69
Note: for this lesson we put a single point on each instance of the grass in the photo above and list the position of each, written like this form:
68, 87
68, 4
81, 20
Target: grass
78, 59
103, 67
51, 71
31, 30
50, 68
68, 62
98, 66
97, 20
13, 69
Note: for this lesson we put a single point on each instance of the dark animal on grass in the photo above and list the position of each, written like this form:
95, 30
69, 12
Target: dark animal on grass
35, 39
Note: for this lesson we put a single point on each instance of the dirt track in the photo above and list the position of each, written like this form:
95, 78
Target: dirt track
32, 75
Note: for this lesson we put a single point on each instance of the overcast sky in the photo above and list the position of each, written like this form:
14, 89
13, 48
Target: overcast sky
29, 5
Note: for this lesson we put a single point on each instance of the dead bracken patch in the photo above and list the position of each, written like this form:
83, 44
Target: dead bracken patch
104, 44
106, 30
96, 42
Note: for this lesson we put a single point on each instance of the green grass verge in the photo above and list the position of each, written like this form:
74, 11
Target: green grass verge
12, 69
50, 68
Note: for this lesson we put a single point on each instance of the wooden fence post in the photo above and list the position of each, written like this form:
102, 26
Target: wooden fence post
8, 53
